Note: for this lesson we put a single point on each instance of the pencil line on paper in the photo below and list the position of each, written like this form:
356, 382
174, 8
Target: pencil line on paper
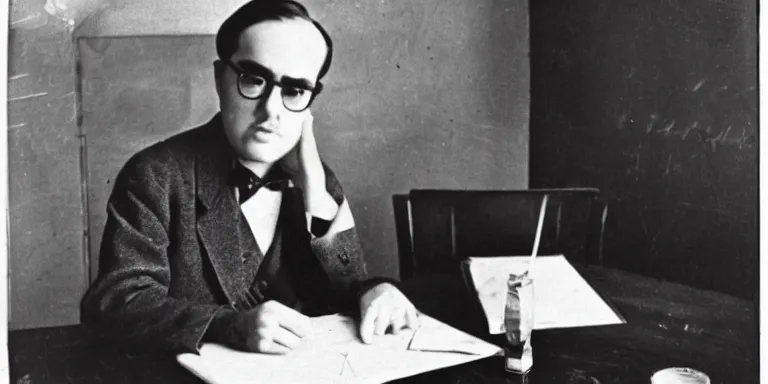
27, 96
30, 17
349, 363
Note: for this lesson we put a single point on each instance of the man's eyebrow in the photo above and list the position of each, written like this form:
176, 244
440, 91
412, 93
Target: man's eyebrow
297, 83
253, 68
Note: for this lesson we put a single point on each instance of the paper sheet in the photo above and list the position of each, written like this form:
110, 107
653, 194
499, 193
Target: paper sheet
562, 298
435, 336
321, 357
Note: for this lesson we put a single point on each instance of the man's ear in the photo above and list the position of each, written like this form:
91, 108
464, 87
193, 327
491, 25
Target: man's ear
218, 74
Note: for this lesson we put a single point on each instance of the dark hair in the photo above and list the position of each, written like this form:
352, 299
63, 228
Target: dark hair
257, 11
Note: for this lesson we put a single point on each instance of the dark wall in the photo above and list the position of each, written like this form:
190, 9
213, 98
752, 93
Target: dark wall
655, 103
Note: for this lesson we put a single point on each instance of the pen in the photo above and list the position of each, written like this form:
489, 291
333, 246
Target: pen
536, 241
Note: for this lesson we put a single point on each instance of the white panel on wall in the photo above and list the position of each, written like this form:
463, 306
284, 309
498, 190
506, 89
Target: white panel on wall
153, 17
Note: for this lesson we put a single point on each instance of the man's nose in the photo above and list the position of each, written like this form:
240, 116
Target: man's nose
272, 102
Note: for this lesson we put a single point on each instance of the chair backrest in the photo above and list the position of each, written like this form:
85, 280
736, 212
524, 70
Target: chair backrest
446, 226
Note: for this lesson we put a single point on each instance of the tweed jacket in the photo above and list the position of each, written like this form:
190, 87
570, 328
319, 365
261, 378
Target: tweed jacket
171, 249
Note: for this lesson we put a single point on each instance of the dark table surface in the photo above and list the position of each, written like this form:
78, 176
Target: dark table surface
667, 325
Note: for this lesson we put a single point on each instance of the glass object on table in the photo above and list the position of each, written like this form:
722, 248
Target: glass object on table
518, 324
679, 375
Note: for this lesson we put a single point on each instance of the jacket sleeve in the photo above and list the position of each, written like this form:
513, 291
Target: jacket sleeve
341, 254
130, 298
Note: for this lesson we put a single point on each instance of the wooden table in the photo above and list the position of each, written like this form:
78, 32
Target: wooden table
667, 325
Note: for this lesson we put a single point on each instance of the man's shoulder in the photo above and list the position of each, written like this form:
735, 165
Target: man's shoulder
176, 147
173, 155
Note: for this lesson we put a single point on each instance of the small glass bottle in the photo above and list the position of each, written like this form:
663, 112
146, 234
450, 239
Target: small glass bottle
518, 324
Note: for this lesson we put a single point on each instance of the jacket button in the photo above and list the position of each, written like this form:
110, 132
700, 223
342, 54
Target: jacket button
344, 258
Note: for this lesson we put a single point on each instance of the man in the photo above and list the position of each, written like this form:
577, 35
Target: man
234, 232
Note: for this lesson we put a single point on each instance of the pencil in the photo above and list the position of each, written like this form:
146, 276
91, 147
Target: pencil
537, 239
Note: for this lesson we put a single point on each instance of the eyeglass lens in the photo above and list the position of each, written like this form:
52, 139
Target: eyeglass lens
294, 98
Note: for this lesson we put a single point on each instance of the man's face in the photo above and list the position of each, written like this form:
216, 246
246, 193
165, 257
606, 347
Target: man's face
293, 51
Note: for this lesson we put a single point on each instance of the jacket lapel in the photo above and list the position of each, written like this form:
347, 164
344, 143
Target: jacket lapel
218, 211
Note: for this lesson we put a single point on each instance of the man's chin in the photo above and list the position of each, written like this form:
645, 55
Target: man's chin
260, 155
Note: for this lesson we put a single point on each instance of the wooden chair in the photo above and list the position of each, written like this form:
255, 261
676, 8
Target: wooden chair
436, 229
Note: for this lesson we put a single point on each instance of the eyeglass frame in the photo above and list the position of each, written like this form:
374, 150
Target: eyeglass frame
269, 78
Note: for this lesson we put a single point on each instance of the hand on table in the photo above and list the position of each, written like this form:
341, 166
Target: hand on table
272, 328
384, 307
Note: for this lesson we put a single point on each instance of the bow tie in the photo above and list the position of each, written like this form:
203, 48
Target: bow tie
247, 183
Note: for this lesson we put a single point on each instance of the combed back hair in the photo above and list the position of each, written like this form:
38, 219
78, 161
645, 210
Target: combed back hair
257, 11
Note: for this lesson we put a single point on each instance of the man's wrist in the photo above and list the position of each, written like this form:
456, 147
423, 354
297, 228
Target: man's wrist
224, 329
366, 285
321, 204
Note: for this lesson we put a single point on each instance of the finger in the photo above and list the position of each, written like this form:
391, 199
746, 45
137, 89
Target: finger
265, 322
411, 318
285, 338
307, 123
267, 345
309, 155
307, 134
383, 319
398, 320
367, 323
290, 319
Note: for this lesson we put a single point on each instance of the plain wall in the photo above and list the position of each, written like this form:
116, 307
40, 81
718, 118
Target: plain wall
424, 94
421, 94
47, 269
655, 103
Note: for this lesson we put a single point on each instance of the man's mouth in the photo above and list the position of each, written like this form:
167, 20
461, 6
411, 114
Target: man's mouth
263, 134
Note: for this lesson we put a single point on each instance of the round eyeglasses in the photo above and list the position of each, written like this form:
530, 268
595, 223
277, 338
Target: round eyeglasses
296, 98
